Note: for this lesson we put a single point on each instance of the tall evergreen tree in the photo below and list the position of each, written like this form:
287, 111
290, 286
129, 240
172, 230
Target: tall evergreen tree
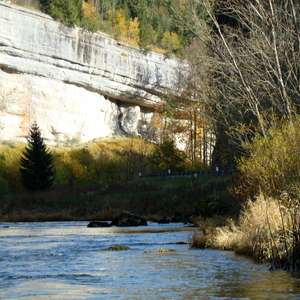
36, 165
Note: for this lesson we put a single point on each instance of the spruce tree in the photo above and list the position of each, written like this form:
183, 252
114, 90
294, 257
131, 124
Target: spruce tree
36, 165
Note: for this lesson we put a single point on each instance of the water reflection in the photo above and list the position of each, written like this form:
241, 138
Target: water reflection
67, 261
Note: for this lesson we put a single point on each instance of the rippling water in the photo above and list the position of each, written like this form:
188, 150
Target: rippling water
66, 261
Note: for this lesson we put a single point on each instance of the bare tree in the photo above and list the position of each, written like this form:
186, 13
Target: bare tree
246, 70
255, 63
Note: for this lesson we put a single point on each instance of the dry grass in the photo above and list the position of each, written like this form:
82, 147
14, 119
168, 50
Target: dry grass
266, 231
103, 161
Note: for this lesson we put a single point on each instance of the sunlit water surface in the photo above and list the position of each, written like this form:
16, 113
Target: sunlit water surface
67, 261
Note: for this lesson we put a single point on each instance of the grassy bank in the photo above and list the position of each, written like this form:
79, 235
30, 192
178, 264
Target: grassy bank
99, 180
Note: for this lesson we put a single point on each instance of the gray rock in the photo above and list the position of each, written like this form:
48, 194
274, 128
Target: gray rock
127, 219
101, 224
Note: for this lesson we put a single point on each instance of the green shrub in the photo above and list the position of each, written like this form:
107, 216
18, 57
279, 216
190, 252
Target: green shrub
66, 11
167, 156
90, 23
105, 162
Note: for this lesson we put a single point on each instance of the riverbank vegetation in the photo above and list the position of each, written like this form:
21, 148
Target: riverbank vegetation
253, 101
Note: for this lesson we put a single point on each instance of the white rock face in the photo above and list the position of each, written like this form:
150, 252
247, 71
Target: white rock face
66, 114
63, 77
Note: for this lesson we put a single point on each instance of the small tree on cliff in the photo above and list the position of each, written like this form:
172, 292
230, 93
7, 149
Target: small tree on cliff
36, 165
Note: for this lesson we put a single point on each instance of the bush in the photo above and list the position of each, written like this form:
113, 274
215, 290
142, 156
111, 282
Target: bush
267, 231
167, 156
216, 198
66, 11
171, 41
273, 164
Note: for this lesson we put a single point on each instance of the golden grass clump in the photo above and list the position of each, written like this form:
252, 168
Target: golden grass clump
262, 232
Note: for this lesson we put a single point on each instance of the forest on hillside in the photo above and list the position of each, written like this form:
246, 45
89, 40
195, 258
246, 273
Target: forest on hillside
149, 24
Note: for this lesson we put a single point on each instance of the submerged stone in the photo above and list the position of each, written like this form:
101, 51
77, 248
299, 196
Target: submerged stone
127, 219
161, 251
117, 248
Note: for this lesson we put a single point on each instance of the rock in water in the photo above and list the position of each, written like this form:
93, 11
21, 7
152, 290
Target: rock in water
117, 248
165, 250
127, 219
95, 224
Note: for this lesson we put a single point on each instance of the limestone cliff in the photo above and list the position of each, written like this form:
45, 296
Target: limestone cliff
77, 85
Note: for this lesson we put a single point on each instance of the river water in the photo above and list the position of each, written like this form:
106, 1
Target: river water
66, 260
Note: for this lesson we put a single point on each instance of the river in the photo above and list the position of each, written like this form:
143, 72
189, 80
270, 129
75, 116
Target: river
67, 260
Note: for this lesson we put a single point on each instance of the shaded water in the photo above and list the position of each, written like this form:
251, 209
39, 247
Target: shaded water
66, 261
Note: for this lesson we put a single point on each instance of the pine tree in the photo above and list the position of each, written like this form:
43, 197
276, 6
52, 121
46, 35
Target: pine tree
36, 165
66, 11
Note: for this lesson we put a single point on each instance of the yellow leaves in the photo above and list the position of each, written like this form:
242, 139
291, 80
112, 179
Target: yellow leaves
127, 31
273, 164
88, 9
134, 31
78, 170
171, 41
90, 18
68, 169
121, 24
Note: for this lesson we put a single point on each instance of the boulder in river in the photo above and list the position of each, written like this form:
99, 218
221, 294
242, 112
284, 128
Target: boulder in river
127, 219
95, 224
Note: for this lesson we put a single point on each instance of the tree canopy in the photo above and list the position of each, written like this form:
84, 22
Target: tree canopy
151, 24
